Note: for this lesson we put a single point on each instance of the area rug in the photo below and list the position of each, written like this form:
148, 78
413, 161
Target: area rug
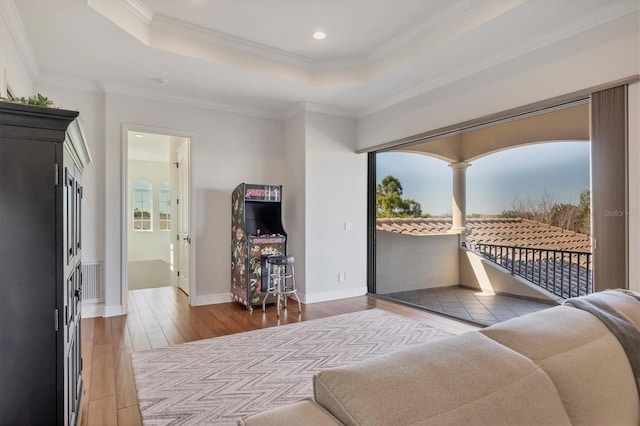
218, 380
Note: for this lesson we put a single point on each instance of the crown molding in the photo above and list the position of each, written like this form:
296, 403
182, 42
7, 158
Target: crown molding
139, 10
319, 108
278, 55
71, 83
130, 90
12, 18
329, 110
293, 111
420, 30
163, 23
585, 23
157, 22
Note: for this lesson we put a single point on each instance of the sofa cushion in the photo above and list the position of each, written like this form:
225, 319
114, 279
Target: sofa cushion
304, 412
585, 361
468, 379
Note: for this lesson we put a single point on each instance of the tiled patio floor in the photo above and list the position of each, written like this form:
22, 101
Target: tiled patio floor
469, 304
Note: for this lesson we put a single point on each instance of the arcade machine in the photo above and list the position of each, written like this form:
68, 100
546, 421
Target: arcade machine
256, 233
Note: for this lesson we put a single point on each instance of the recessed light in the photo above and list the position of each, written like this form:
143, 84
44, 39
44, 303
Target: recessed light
319, 35
138, 135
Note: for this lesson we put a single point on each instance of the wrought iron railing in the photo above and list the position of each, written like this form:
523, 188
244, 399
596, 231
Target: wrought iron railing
563, 273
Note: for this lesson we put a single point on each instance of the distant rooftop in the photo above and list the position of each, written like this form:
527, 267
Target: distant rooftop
494, 230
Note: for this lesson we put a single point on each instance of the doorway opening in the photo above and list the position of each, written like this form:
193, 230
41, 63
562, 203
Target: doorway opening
156, 210
515, 233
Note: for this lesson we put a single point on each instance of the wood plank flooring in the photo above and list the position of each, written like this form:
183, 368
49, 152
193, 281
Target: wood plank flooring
162, 316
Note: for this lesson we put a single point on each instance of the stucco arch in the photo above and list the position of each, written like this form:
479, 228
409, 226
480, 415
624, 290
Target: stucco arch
460, 148
429, 154
484, 154
568, 124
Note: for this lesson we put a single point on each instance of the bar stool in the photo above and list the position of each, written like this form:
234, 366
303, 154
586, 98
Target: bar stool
281, 278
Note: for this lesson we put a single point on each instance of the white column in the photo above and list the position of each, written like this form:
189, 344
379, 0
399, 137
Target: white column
459, 208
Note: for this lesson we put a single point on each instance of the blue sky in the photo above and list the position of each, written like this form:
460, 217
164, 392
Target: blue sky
559, 168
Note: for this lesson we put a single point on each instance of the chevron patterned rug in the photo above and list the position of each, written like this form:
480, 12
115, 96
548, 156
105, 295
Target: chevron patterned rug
216, 381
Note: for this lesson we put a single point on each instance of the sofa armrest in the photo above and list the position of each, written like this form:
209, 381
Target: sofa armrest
303, 412
468, 379
584, 360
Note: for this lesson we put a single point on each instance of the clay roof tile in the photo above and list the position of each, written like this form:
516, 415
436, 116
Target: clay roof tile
494, 230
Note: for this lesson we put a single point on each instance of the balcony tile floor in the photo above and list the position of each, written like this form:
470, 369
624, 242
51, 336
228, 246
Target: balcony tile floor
468, 304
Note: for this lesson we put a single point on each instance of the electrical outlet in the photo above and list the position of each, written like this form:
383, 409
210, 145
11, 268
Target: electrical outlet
347, 276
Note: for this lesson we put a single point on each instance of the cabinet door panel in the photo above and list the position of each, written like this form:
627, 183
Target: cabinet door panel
28, 277
69, 307
70, 213
72, 380
78, 215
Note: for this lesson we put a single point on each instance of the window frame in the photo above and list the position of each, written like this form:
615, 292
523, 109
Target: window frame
142, 187
164, 190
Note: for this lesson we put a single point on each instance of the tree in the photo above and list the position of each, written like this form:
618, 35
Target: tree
584, 212
538, 209
545, 209
565, 216
389, 201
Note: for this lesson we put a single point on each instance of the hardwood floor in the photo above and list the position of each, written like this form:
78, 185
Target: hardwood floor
162, 316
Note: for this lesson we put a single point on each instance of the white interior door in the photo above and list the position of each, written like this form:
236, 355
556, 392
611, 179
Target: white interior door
184, 238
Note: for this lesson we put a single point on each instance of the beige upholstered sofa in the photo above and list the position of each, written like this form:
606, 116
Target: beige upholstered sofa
560, 366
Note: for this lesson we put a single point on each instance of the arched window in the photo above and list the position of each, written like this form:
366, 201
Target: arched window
164, 207
142, 206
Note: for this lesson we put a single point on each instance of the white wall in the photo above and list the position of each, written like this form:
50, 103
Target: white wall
482, 274
154, 244
148, 274
294, 196
13, 71
413, 262
336, 198
91, 107
325, 189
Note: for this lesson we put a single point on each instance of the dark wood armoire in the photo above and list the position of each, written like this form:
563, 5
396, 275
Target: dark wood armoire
42, 155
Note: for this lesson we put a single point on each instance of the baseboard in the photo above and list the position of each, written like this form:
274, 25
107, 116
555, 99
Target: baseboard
212, 299
332, 295
100, 310
113, 311
93, 310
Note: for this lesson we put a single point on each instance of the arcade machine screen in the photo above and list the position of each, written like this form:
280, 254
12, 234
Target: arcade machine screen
263, 218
